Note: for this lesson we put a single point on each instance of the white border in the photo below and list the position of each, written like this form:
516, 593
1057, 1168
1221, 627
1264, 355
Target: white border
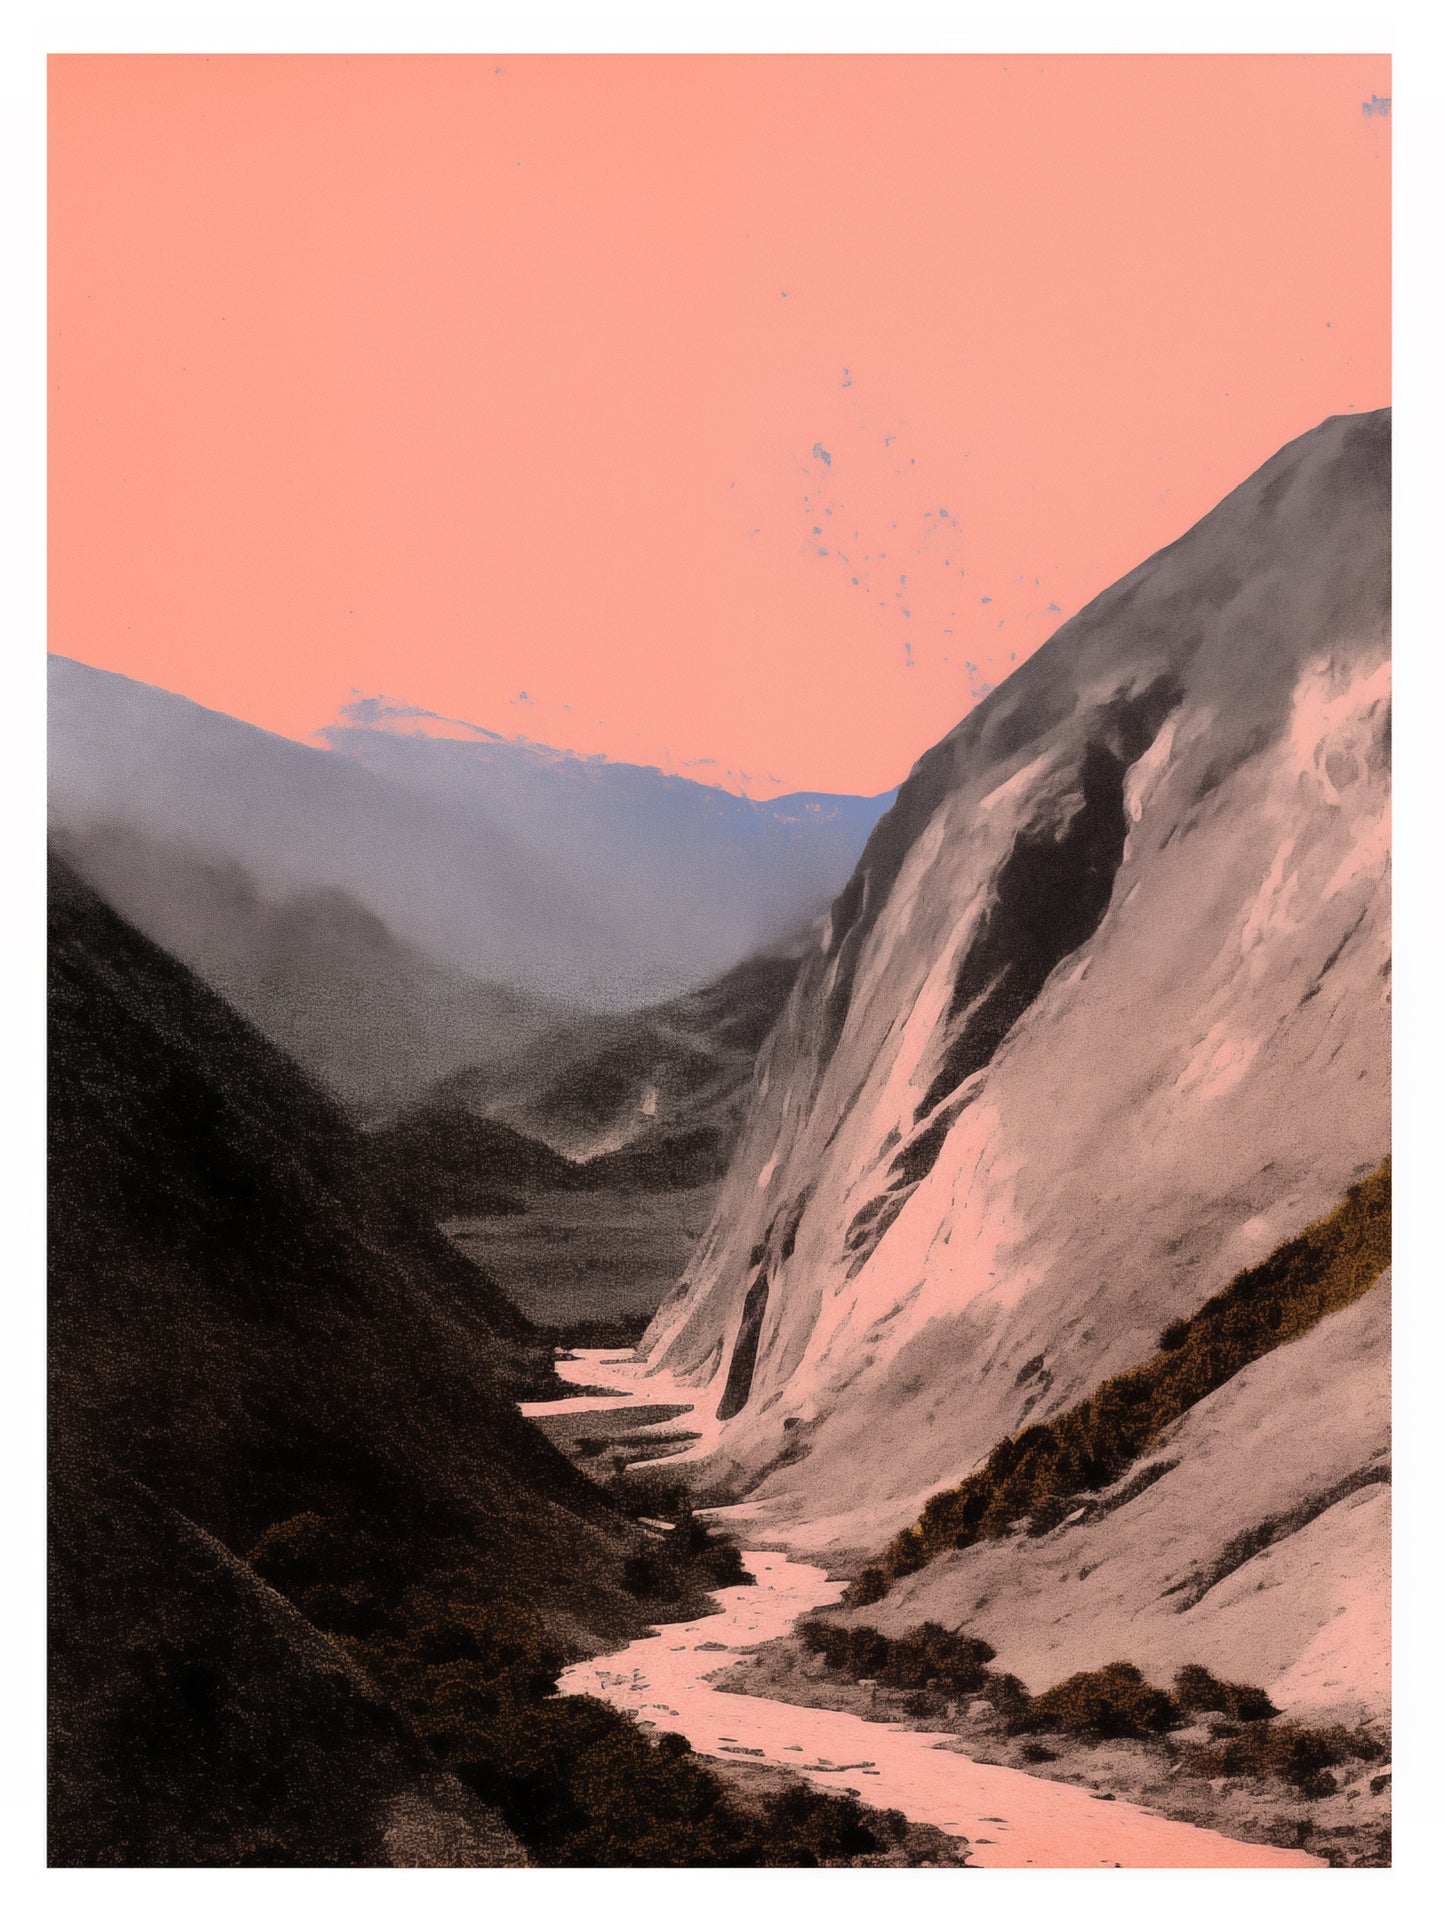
268, 26
745, 26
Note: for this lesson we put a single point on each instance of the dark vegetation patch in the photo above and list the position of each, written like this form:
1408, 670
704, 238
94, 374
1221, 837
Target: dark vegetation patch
1003, 1724
1112, 1701
1039, 1475
307, 1560
928, 1656
1302, 1757
581, 1785
474, 1673
932, 1666
804, 1828
1199, 1692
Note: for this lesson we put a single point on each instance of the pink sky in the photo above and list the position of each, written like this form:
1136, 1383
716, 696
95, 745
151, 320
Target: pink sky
503, 387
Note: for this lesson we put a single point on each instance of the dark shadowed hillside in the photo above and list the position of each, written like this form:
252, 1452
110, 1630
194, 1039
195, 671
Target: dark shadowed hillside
267, 1381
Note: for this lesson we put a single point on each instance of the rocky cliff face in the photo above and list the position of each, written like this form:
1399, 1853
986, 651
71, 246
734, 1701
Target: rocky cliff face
1100, 1019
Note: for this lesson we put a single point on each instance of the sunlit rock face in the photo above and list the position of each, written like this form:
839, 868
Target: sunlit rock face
1100, 1018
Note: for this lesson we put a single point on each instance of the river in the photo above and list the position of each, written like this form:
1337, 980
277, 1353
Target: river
1011, 1819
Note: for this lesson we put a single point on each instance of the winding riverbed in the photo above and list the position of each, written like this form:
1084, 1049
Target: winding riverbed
1010, 1818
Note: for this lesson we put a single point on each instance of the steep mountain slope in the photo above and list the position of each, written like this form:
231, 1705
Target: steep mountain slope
1254, 1538
1101, 1018
264, 1372
610, 886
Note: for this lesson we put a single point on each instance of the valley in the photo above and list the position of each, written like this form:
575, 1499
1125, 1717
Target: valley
895, 1382
593, 1258
676, 1680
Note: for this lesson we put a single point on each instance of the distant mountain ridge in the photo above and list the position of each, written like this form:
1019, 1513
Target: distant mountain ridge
601, 885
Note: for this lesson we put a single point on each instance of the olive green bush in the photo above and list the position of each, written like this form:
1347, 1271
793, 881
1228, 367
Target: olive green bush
1198, 1692
928, 1655
1112, 1701
1299, 1756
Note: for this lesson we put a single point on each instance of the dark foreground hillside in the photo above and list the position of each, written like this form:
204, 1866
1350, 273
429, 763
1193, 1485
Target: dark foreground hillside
246, 1336
311, 1573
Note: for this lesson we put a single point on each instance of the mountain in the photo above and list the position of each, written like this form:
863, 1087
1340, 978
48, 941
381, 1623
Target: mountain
690, 878
1100, 1021
653, 1095
282, 1416
582, 1171
602, 886
369, 1014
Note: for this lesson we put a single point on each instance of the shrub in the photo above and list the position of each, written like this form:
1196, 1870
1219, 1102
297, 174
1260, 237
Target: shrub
869, 1585
1008, 1697
1112, 1701
928, 1654
650, 1577
828, 1826
1198, 1692
1298, 1756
